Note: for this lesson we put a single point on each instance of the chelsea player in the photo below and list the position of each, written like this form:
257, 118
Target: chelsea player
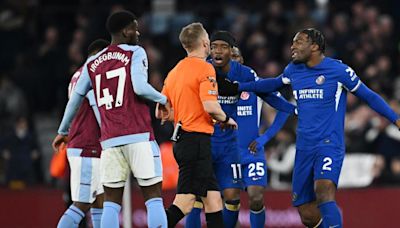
320, 85
227, 148
251, 145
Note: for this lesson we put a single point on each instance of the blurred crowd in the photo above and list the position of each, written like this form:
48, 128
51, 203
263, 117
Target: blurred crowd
43, 42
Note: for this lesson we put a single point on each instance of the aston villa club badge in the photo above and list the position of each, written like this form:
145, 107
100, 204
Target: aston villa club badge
320, 80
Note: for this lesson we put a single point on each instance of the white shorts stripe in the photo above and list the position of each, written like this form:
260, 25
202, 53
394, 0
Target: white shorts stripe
85, 177
85, 183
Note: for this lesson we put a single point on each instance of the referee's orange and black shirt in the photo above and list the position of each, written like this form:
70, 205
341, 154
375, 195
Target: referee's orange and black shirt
187, 85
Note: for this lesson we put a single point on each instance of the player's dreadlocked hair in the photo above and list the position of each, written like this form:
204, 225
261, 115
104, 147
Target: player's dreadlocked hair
316, 37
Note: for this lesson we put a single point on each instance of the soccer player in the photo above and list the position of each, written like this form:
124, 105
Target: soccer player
320, 85
251, 145
227, 149
118, 75
83, 151
192, 90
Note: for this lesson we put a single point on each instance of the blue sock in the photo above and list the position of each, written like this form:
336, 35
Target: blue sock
330, 214
96, 216
110, 215
257, 218
231, 213
156, 216
71, 218
193, 218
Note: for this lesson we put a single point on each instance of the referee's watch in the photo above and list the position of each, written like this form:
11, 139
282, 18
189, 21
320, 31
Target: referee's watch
226, 119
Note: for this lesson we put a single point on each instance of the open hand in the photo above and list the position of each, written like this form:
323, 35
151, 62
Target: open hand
164, 112
58, 140
254, 147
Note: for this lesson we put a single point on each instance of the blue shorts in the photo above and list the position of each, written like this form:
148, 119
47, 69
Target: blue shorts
254, 168
311, 165
254, 173
226, 164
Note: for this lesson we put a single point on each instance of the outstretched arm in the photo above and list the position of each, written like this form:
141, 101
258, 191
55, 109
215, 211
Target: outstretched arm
278, 102
263, 85
377, 103
276, 126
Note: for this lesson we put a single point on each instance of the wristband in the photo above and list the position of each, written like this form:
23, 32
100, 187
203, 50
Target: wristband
226, 119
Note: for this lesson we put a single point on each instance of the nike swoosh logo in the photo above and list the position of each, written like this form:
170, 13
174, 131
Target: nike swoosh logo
334, 226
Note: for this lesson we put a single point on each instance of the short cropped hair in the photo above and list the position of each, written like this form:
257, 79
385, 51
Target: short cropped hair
119, 20
97, 45
190, 35
316, 37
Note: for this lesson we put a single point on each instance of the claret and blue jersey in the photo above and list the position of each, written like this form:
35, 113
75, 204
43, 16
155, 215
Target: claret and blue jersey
321, 93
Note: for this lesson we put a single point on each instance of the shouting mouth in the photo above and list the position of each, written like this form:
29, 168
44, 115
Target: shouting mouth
218, 60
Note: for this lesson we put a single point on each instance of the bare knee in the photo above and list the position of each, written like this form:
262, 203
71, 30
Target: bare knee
82, 206
185, 202
231, 194
113, 194
256, 197
151, 191
309, 214
213, 202
325, 191
98, 203
256, 202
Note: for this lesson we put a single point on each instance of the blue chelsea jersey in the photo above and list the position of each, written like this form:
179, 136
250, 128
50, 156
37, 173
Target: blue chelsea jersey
239, 73
321, 93
248, 120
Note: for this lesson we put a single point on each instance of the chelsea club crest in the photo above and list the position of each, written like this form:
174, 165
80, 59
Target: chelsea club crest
320, 80
244, 95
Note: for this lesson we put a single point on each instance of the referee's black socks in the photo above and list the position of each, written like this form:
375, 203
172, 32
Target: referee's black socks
215, 220
174, 215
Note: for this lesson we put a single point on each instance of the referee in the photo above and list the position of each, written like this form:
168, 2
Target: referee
191, 89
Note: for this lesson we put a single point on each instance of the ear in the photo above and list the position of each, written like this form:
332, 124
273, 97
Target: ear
314, 47
124, 32
204, 43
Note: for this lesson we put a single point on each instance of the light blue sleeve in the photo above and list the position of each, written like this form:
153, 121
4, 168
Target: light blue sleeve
70, 111
139, 78
93, 104
83, 85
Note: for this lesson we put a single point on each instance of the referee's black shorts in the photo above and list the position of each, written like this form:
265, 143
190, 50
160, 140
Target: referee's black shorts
192, 152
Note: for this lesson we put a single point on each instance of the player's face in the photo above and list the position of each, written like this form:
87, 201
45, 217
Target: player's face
301, 48
132, 33
221, 53
236, 55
